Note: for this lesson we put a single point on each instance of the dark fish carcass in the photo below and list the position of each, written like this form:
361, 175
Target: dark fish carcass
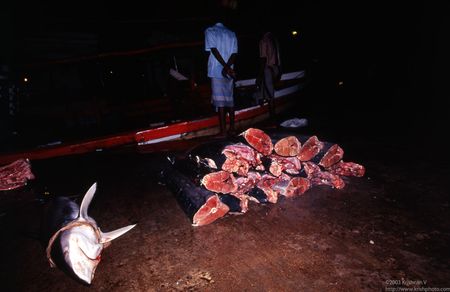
200, 204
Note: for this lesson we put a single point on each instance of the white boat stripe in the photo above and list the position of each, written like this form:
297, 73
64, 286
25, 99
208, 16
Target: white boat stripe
163, 139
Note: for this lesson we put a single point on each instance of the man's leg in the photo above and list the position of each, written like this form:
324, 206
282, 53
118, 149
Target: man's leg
270, 89
232, 130
222, 120
272, 108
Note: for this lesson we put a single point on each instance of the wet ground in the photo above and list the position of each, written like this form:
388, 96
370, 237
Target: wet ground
388, 228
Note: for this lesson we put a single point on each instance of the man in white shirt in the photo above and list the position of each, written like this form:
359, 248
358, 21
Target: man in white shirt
221, 42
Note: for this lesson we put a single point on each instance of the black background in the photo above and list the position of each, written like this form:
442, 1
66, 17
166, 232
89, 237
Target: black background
392, 57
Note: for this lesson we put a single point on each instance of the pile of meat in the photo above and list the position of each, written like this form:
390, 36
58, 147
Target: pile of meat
15, 175
261, 172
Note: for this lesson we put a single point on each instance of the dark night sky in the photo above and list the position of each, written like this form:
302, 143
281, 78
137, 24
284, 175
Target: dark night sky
379, 46
381, 28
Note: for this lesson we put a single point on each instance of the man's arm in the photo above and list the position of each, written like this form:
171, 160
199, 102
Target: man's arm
230, 71
227, 70
232, 59
218, 56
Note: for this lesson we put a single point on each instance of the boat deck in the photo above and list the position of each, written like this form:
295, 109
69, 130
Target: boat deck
385, 226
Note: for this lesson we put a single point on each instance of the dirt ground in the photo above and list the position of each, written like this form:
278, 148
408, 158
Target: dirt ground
389, 227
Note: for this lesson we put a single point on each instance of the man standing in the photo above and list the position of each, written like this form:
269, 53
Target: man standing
270, 70
221, 42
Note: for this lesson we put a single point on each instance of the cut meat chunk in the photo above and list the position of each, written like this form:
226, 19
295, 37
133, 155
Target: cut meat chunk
241, 151
293, 187
319, 177
297, 186
291, 165
289, 146
310, 149
236, 165
333, 156
348, 169
212, 210
266, 185
240, 158
220, 182
327, 178
311, 168
259, 140
245, 184
276, 168
15, 174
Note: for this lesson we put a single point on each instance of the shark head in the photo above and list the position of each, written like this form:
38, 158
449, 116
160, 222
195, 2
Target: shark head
83, 244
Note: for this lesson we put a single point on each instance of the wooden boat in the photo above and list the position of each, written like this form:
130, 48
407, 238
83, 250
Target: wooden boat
162, 137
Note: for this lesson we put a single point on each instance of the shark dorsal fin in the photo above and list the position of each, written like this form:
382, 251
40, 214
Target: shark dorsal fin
108, 236
87, 201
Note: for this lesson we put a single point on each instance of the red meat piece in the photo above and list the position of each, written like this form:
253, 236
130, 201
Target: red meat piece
212, 210
259, 140
266, 185
319, 177
245, 184
220, 182
333, 156
15, 174
292, 187
236, 165
310, 149
327, 178
291, 165
289, 146
348, 169
241, 151
311, 168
